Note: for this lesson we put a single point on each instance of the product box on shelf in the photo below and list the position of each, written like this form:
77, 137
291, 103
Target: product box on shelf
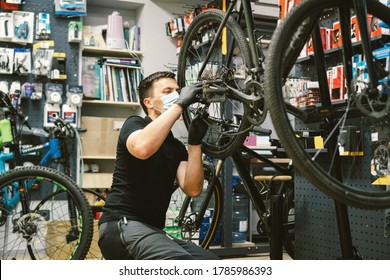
101, 136
329, 38
337, 41
375, 28
355, 34
337, 88
382, 55
310, 47
286, 5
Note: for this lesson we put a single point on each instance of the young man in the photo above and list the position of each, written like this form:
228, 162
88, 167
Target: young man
148, 162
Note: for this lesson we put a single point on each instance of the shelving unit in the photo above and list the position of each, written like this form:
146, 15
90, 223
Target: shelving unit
103, 119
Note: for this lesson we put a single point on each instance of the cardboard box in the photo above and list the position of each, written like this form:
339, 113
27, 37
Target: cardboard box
101, 137
338, 84
285, 6
310, 46
329, 38
337, 41
355, 34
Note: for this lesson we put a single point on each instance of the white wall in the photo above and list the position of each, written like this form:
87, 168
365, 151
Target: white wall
159, 50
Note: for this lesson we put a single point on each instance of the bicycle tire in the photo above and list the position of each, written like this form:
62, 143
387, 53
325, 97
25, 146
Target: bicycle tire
43, 229
281, 52
96, 201
184, 218
227, 129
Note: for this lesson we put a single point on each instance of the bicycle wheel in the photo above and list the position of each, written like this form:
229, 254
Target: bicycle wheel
197, 219
96, 201
43, 216
339, 177
225, 73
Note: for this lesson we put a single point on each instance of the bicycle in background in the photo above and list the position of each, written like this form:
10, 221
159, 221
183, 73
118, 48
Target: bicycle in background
223, 51
44, 215
199, 219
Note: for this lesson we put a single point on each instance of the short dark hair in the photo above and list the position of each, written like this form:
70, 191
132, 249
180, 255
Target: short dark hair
146, 84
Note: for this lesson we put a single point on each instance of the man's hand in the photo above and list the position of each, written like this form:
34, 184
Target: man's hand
188, 95
197, 130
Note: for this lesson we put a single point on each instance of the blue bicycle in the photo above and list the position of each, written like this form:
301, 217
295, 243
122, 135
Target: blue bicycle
43, 214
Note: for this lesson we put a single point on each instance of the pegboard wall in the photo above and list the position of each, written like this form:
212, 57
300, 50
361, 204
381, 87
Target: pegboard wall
59, 33
316, 230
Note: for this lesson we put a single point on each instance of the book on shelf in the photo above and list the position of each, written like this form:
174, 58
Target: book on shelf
108, 81
119, 85
134, 38
122, 61
125, 91
91, 78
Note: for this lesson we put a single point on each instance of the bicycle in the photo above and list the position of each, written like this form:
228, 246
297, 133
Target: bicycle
239, 90
367, 100
44, 215
199, 219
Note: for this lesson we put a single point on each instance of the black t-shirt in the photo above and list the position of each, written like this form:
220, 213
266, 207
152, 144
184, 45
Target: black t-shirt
141, 189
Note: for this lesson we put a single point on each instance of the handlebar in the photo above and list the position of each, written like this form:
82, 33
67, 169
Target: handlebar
6, 102
62, 127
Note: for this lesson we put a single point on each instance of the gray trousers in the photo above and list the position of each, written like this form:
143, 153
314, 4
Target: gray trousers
133, 240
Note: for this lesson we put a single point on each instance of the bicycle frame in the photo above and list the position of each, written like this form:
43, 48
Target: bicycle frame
53, 152
246, 9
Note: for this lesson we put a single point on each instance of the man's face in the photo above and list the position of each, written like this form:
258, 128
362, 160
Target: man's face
161, 88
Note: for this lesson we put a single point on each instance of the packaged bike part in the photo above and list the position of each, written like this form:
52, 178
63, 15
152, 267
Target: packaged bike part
6, 26
52, 106
75, 31
22, 57
37, 91
23, 31
58, 66
14, 93
43, 58
42, 30
6, 60
4, 86
73, 102
27, 90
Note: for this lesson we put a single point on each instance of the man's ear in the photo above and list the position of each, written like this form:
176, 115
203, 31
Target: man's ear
148, 103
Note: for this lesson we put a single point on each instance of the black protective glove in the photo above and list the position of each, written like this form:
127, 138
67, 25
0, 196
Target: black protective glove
197, 130
188, 95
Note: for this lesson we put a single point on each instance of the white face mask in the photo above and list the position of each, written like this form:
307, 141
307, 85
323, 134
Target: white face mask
168, 100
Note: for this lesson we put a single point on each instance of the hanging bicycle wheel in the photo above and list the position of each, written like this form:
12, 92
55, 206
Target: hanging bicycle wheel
301, 100
50, 221
197, 218
223, 74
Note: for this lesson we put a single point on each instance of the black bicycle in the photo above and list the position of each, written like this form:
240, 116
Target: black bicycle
238, 92
199, 219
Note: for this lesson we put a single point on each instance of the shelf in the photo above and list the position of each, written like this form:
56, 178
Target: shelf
110, 52
111, 103
97, 157
338, 50
121, 4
